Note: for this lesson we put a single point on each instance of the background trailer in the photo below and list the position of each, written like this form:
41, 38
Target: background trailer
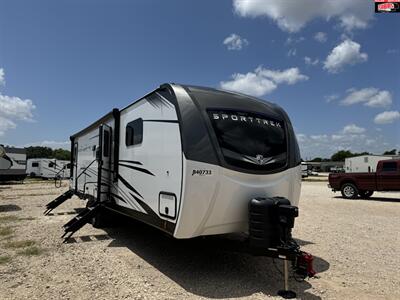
365, 163
12, 163
48, 168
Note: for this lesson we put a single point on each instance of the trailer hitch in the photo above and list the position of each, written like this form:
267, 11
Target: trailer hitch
271, 221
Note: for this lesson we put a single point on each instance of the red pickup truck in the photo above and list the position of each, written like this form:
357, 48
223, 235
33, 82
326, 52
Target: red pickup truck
386, 178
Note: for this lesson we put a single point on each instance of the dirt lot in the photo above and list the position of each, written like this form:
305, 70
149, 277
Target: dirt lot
356, 244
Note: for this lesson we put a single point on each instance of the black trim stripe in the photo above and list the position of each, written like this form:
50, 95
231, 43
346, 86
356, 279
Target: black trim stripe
118, 197
137, 169
163, 121
126, 196
127, 184
130, 161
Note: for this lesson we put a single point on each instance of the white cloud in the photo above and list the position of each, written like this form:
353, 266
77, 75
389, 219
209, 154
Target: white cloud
289, 76
292, 40
292, 16
311, 62
321, 37
346, 53
16, 108
235, 42
371, 97
353, 129
330, 98
350, 22
262, 81
2, 80
250, 83
13, 109
387, 117
6, 124
292, 52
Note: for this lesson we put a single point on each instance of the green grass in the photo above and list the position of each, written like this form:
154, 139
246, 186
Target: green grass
33, 250
4, 231
4, 259
19, 244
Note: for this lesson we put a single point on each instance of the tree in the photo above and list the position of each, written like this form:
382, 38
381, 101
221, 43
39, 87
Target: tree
316, 159
46, 152
39, 152
62, 154
391, 152
341, 155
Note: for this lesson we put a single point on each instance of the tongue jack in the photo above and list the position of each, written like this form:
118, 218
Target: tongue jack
270, 233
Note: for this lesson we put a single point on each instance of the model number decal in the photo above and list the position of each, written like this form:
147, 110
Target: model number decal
201, 172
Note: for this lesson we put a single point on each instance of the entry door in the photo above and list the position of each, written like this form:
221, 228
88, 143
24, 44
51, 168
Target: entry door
74, 167
104, 163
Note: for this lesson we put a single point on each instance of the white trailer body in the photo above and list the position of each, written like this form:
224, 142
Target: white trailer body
12, 163
363, 163
48, 168
188, 160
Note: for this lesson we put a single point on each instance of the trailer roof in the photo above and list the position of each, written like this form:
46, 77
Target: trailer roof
95, 124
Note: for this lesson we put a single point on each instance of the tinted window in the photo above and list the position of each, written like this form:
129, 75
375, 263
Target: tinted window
106, 143
249, 140
51, 165
389, 166
35, 164
134, 132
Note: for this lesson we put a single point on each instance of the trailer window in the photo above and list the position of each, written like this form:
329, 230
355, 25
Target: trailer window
35, 164
250, 141
389, 166
134, 132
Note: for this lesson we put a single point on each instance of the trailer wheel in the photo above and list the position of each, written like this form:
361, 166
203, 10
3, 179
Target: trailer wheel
100, 220
349, 191
365, 194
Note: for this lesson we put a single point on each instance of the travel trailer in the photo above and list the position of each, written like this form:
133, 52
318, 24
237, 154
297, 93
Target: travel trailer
365, 163
191, 161
12, 163
48, 168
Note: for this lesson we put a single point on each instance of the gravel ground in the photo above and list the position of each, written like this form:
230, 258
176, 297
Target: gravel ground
356, 245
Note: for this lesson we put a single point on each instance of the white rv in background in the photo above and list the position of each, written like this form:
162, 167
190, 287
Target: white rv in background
364, 163
304, 169
12, 163
48, 168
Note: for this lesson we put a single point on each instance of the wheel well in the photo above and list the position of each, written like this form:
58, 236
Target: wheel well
347, 181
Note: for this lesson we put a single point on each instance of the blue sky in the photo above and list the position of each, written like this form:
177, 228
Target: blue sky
332, 65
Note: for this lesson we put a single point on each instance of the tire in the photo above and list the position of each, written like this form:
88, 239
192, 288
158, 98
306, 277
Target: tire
365, 194
100, 220
349, 191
